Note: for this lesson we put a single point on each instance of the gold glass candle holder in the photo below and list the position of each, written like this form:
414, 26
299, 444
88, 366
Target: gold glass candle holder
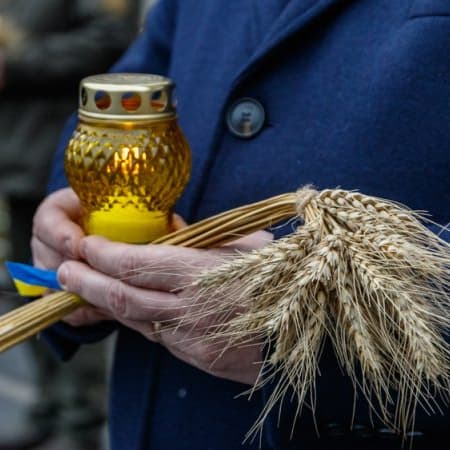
127, 160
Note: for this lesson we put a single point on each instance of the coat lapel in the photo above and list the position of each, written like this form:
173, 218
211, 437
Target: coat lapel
296, 16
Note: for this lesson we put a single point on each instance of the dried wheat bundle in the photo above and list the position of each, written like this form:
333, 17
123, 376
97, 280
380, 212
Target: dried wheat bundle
361, 270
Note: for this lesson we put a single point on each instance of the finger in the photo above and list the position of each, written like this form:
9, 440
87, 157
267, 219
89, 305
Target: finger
122, 300
151, 330
177, 223
241, 363
186, 342
160, 267
252, 241
44, 257
86, 315
56, 223
238, 363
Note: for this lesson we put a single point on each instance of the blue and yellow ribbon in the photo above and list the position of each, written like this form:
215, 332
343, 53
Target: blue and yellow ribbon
31, 281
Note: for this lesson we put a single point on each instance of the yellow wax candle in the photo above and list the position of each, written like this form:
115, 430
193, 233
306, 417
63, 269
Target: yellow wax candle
122, 220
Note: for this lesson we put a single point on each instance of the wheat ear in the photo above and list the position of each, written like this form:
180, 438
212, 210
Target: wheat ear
364, 271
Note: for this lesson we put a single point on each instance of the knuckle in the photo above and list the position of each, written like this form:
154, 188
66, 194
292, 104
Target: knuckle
71, 279
77, 318
44, 256
43, 218
206, 355
128, 262
117, 299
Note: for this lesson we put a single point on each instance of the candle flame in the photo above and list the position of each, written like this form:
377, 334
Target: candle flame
126, 160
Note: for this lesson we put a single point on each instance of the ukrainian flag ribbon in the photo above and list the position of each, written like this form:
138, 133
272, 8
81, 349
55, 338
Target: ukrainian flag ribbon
31, 281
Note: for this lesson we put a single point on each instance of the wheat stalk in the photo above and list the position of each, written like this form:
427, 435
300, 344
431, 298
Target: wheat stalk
364, 271
30, 319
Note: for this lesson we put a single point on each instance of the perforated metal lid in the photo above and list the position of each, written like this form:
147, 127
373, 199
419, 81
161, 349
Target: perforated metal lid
126, 96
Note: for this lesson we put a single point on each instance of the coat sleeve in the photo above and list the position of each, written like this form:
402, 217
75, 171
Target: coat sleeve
149, 53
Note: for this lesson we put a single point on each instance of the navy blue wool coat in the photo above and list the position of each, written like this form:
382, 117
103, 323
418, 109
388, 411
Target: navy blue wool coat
356, 95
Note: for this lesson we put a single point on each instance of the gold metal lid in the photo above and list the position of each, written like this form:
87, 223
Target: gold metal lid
126, 96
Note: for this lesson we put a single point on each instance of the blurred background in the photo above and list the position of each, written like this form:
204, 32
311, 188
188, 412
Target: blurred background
46, 47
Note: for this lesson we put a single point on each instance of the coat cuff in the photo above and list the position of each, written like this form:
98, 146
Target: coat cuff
64, 340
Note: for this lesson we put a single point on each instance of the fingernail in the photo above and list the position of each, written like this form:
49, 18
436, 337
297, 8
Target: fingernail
63, 276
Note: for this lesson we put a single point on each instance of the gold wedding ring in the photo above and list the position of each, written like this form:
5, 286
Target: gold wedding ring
156, 330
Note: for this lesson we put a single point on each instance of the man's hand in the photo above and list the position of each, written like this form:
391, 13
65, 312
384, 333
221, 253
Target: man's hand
56, 237
139, 285
56, 229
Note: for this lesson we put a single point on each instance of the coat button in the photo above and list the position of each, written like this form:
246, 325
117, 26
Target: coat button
245, 118
182, 393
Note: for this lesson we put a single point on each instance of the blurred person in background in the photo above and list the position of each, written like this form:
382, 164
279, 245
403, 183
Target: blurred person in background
46, 47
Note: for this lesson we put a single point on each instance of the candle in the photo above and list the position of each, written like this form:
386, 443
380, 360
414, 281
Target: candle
124, 220
128, 160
